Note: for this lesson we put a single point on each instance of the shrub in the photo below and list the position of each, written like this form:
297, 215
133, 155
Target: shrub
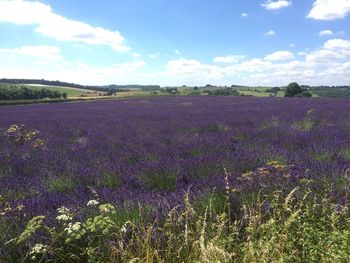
294, 90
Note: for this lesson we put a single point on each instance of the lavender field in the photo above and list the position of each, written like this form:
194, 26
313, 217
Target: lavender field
146, 153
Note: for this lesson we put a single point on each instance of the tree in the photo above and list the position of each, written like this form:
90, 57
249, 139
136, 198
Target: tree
305, 93
293, 89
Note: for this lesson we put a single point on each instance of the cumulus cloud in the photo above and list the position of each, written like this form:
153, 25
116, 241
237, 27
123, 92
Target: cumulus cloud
154, 56
228, 59
327, 65
270, 33
329, 9
244, 15
273, 5
323, 56
136, 55
326, 33
333, 51
337, 44
53, 25
124, 73
279, 55
254, 65
185, 66
50, 53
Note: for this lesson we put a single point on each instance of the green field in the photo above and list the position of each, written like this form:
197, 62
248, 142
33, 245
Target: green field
260, 93
71, 92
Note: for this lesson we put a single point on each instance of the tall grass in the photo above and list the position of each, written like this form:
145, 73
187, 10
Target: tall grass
266, 226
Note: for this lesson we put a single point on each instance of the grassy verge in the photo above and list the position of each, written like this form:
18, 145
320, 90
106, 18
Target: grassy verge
232, 225
25, 102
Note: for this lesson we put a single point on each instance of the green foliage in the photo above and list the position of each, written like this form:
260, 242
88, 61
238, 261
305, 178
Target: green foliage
332, 92
109, 180
13, 92
305, 124
62, 184
273, 90
297, 226
24, 102
345, 153
33, 225
322, 156
173, 91
161, 179
299, 229
214, 127
275, 224
305, 94
224, 92
293, 89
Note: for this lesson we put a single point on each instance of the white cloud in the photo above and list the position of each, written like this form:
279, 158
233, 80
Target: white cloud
337, 44
326, 32
279, 55
254, 65
50, 53
270, 33
136, 55
291, 45
125, 73
329, 9
228, 59
177, 52
184, 66
333, 51
323, 56
328, 65
273, 5
56, 26
244, 15
155, 55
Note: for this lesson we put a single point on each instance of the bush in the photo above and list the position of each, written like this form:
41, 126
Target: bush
306, 94
294, 90
224, 92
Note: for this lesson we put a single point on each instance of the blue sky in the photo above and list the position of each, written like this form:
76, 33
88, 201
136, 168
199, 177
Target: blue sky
189, 42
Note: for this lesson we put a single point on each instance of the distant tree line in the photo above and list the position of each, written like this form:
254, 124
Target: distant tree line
332, 92
12, 92
171, 90
223, 92
57, 83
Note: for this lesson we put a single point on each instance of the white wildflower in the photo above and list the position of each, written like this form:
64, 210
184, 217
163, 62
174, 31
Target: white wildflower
64, 217
63, 210
76, 227
92, 203
37, 249
123, 229
73, 227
